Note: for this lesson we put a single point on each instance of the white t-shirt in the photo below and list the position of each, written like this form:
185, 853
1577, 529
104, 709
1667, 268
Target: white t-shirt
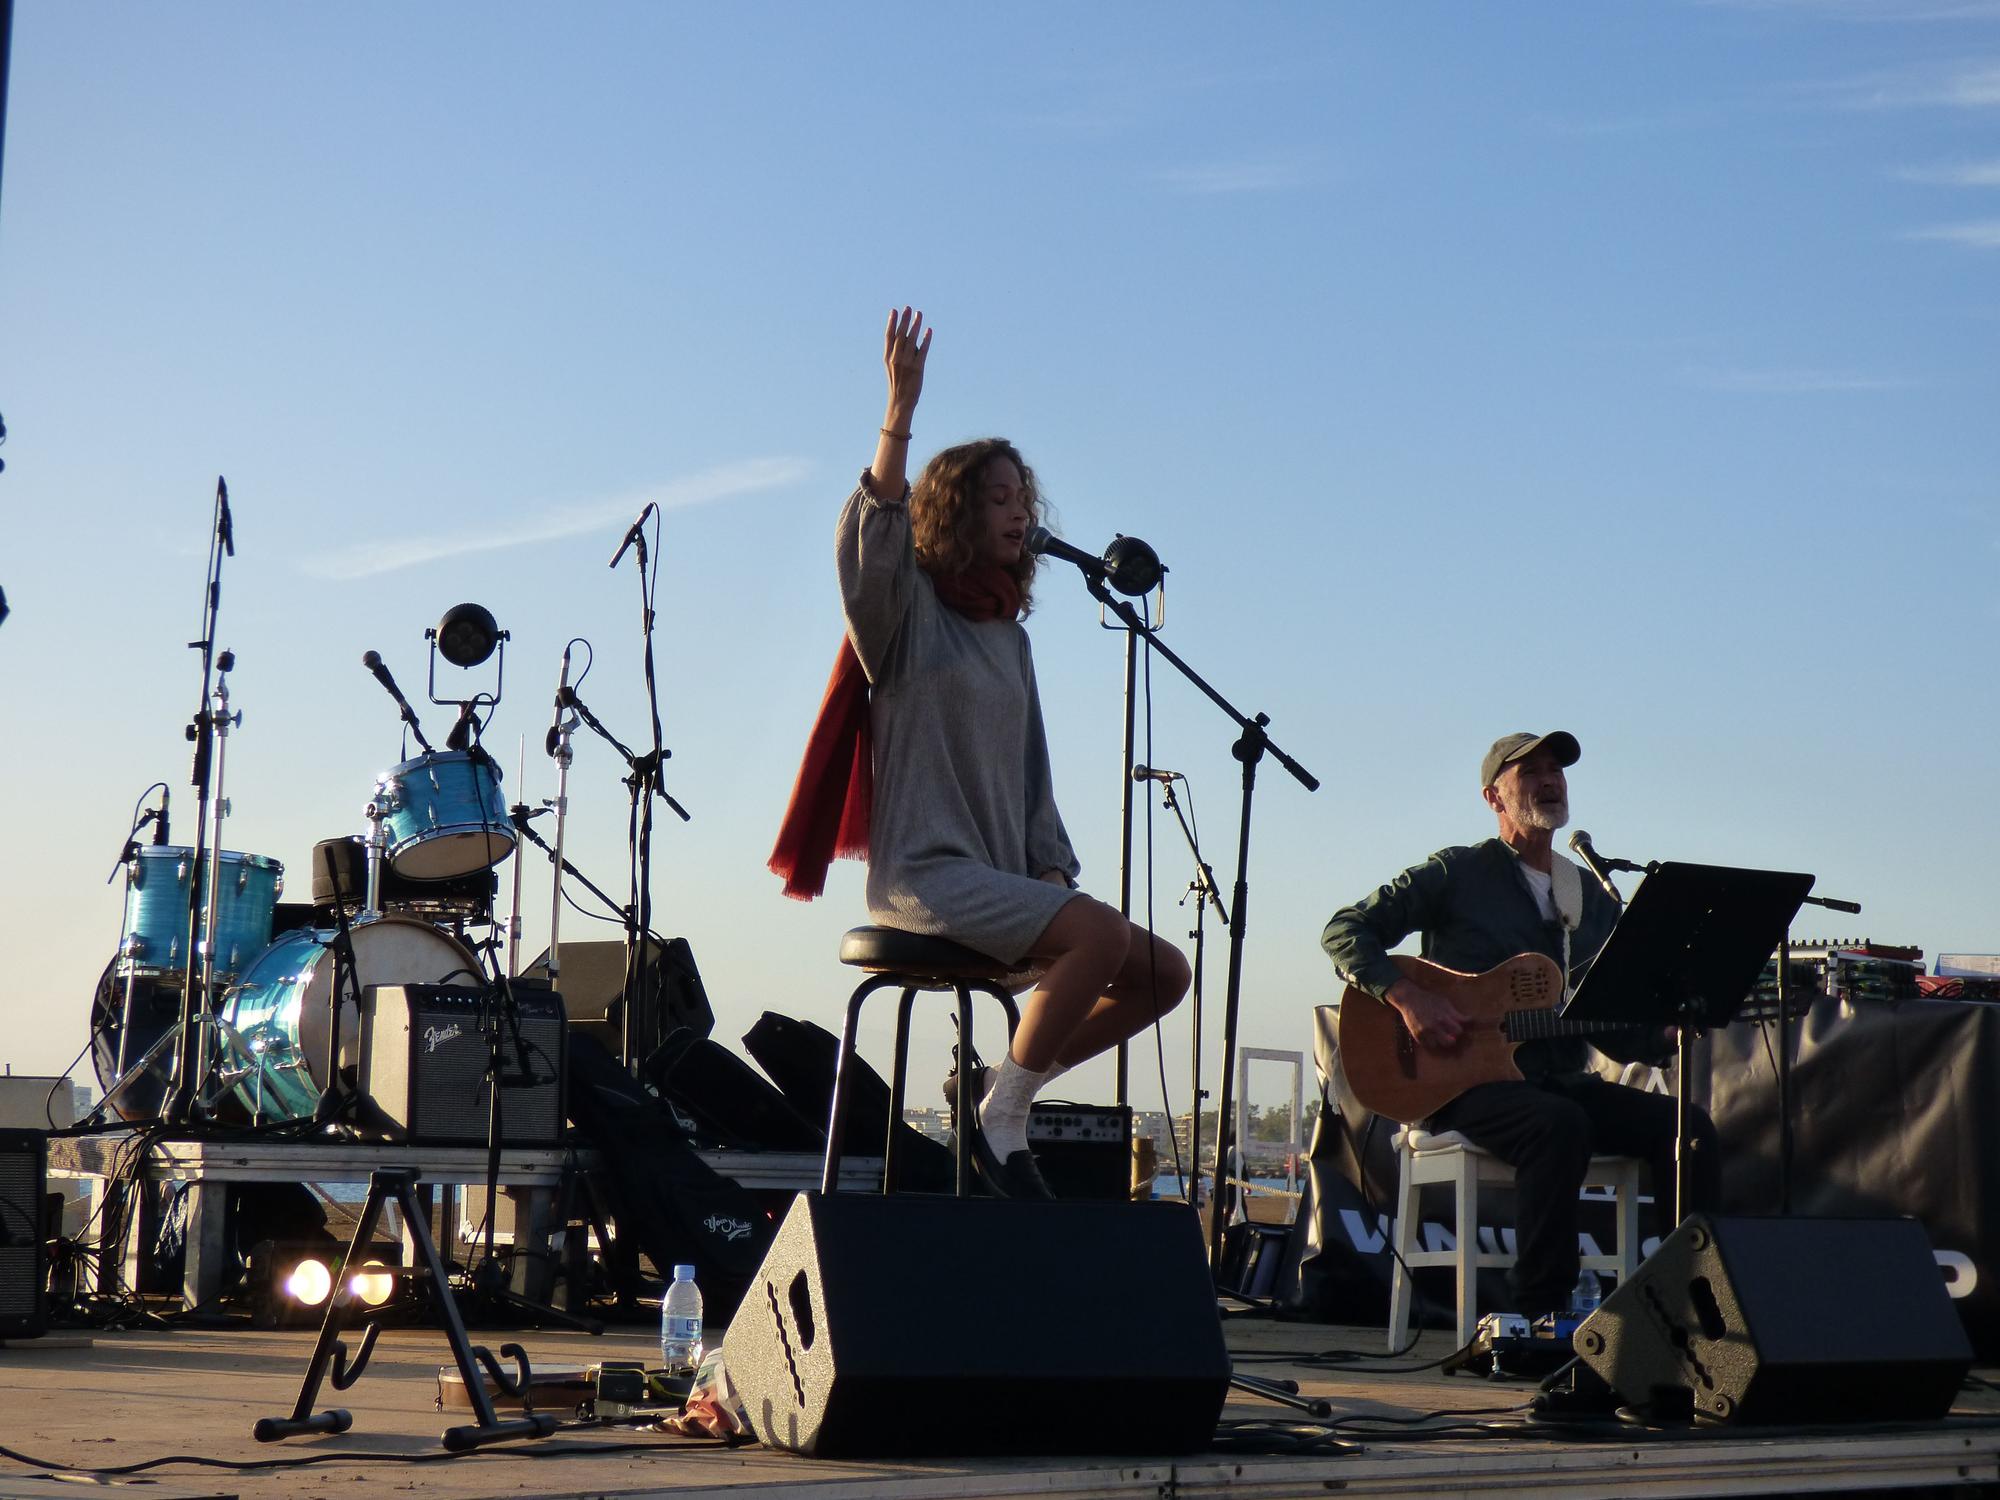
1540, 885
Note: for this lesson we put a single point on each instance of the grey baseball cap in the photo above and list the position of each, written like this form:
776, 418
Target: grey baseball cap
1512, 747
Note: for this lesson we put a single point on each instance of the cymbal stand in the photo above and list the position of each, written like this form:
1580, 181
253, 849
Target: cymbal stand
202, 732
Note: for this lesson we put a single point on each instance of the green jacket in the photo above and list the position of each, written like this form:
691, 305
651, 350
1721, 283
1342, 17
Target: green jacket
1473, 906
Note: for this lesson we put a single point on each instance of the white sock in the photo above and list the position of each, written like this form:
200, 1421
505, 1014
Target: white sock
1003, 1113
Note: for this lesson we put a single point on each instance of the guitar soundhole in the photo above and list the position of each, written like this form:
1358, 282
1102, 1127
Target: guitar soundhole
1529, 986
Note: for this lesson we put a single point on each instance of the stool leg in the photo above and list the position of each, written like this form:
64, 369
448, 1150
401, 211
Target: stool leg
1466, 1190
964, 1107
1402, 1235
891, 1156
836, 1124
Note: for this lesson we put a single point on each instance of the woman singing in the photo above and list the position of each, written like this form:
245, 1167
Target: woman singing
963, 839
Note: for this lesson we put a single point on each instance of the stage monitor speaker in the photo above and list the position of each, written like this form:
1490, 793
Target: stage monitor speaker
425, 1050
905, 1324
23, 1266
671, 994
1791, 1320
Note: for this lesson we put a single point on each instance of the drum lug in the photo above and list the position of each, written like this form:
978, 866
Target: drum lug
181, 870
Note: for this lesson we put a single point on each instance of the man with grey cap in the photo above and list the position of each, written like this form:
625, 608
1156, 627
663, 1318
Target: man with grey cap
1476, 906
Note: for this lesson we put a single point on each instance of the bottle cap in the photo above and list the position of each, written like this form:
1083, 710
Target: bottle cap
684, 1273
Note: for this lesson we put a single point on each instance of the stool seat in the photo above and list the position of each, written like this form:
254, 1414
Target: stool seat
889, 950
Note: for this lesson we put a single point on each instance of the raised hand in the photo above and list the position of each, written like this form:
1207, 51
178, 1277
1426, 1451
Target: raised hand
906, 344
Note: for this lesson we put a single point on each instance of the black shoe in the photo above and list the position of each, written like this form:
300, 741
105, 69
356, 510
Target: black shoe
1016, 1177
982, 1079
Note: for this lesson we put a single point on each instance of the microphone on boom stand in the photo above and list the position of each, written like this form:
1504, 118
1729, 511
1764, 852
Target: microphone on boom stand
562, 692
1154, 773
1601, 867
1128, 564
633, 534
372, 660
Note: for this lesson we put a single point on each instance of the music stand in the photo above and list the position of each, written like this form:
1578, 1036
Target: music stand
1687, 953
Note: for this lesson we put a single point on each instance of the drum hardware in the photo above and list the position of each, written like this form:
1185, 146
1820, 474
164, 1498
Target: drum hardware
459, 899
558, 746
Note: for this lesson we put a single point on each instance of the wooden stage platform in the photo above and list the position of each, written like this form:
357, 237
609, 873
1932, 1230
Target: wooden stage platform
124, 1398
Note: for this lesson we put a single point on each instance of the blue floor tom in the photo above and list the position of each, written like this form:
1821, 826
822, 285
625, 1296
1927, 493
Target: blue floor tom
444, 814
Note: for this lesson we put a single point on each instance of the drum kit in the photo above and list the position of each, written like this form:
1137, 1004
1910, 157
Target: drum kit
408, 889
225, 1002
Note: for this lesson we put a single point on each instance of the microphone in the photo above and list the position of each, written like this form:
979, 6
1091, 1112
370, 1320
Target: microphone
632, 534
1154, 773
1579, 842
562, 692
1128, 564
372, 660
223, 526
160, 822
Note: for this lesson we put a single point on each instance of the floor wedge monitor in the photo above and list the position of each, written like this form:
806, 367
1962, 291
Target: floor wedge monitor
912, 1324
1790, 1320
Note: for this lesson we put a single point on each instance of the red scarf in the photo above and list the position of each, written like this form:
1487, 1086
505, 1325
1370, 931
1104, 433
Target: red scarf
827, 818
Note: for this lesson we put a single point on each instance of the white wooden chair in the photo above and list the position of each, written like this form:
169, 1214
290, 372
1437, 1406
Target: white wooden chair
1425, 1158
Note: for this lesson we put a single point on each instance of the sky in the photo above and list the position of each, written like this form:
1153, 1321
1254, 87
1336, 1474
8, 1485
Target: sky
1473, 368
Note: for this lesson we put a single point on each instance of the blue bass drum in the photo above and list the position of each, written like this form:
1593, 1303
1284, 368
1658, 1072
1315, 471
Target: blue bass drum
277, 1016
444, 815
156, 909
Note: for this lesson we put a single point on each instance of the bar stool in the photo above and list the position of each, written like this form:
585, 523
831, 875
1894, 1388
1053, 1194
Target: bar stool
912, 963
1449, 1157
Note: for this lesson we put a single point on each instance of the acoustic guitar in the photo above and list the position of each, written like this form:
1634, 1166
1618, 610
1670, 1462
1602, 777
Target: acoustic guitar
1511, 1003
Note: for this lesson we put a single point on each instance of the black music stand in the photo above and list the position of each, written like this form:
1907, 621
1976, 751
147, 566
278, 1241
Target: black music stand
1687, 953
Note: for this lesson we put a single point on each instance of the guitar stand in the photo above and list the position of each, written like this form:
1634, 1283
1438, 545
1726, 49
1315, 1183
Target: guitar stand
401, 1186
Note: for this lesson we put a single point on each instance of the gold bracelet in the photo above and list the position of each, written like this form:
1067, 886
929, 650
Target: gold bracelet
891, 432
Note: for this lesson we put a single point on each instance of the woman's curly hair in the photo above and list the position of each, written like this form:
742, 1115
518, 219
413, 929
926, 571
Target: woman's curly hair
945, 519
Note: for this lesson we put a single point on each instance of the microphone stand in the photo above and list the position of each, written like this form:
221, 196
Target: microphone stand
202, 732
1785, 1048
1252, 744
1203, 889
644, 783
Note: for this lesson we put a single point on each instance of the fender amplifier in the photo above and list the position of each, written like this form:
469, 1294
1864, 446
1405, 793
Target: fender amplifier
22, 1270
425, 1050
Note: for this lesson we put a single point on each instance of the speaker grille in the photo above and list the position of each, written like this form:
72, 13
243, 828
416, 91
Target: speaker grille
21, 1271
428, 1050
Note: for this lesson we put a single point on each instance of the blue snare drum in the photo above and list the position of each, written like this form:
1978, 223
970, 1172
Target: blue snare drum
278, 1012
444, 815
156, 909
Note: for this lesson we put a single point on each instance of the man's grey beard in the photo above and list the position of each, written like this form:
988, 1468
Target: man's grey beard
1547, 816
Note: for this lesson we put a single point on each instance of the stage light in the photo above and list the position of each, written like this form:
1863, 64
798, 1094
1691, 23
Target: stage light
310, 1282
467, 634
373, 1284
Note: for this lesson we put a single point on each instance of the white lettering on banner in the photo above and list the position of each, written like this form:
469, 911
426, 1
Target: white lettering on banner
1961, 1276
1359, 1235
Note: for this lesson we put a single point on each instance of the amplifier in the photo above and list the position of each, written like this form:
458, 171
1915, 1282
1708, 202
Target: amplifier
22, 1270
425, 1049
1084, 1150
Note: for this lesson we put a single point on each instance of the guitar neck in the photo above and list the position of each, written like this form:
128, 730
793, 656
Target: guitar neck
1546, 1025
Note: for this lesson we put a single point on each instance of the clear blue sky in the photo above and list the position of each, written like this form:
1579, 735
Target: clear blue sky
1474, 367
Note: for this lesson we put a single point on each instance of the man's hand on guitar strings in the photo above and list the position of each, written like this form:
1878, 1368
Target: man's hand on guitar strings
1433, 1020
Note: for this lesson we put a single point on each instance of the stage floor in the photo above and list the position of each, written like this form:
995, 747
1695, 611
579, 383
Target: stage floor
129, 1397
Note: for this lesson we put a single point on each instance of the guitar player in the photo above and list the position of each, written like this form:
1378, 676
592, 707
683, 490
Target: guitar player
1476, 906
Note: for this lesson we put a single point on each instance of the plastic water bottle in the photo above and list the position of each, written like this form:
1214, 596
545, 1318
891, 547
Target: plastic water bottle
680, 1323
1585, 1296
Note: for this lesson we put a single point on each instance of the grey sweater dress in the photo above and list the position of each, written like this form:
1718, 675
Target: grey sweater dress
964, 817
